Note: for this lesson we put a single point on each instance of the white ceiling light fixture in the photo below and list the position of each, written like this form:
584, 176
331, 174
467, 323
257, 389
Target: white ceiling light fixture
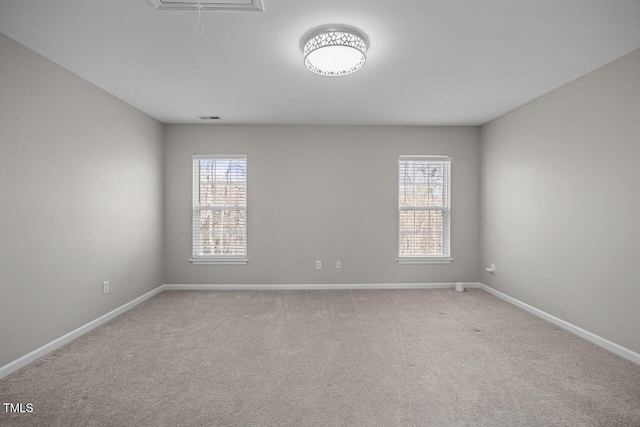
334, 50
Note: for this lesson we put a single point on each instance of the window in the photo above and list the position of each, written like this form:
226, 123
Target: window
424, 209
219, 209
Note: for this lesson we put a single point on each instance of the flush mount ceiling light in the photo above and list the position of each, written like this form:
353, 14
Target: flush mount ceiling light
334, 50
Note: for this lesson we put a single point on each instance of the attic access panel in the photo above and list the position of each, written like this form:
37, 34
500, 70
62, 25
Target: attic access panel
210, 5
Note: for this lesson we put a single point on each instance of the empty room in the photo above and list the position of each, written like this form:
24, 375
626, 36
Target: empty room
319, 213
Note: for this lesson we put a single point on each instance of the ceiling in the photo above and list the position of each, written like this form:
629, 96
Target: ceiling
430, 62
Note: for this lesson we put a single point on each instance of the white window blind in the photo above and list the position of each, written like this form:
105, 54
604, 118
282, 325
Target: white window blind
219, 209
424, 209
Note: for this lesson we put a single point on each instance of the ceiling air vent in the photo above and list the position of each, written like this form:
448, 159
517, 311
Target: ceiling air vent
210, 5
209, 117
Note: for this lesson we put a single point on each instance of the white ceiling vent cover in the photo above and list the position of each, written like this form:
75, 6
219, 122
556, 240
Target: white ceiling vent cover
210, 5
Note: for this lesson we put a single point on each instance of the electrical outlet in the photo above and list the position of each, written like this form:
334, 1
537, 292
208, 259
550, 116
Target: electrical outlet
338, 265
318, 265
105, 287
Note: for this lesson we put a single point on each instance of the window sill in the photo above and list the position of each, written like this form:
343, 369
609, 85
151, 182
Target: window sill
416, 260
219, 261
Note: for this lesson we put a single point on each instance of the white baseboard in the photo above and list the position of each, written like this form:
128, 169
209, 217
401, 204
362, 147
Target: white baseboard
598, 340
272, 287
59, 342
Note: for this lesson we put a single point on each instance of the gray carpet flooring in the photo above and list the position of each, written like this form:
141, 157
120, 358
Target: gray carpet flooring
326, 358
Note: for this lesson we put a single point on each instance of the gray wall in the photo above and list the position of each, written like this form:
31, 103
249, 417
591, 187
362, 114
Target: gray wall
561, 202
81, 201
321, 193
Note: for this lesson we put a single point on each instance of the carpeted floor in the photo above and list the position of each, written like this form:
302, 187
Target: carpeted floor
326, 358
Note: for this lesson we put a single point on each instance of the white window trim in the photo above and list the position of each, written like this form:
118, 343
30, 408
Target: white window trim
219, 259
414, 259
424, 260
